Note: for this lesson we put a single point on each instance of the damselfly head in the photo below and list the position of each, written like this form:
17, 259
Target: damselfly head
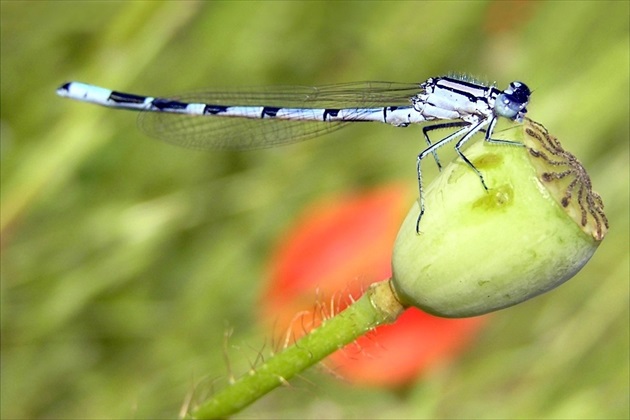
512, 102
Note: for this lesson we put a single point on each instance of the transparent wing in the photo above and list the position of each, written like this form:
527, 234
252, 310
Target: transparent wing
221, 132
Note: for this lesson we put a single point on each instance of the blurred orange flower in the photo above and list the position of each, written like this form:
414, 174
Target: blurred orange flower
334, 252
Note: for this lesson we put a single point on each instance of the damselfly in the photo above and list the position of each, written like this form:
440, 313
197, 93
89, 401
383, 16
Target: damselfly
264, 117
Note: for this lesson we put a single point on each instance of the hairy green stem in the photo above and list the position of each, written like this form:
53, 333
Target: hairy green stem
376, 307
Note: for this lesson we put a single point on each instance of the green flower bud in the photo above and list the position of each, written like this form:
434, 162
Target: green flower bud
479, 251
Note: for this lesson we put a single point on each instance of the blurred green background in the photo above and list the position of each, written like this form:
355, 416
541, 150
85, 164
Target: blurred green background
126, 261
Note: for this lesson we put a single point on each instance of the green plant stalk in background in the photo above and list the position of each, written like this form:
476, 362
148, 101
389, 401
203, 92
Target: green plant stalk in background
478, 251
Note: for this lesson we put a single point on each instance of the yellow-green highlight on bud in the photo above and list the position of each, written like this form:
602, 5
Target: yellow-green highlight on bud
478, 251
